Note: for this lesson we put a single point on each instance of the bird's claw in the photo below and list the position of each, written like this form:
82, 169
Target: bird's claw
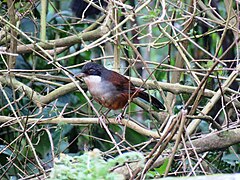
102, 120
119, 118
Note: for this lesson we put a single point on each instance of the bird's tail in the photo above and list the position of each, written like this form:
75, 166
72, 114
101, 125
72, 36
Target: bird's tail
154, 101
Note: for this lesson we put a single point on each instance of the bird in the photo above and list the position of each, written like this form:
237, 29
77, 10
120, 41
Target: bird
111, 89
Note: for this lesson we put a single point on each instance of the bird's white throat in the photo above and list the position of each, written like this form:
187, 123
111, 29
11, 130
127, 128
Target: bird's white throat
99, 87
92, 79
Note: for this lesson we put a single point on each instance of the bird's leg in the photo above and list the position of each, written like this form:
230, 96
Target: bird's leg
102, 120
122, 114
103, 117
107, 112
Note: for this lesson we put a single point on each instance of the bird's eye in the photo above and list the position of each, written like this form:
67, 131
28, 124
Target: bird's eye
91, 70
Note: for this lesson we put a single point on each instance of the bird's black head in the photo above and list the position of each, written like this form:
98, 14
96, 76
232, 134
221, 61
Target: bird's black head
91, 69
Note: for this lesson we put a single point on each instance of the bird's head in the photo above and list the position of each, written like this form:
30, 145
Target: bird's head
91, 69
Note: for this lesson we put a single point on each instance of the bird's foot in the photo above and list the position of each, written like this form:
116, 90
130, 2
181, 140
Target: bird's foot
119, 118
122, 114
102, 120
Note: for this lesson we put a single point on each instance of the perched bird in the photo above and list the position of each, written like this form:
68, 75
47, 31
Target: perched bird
111, 89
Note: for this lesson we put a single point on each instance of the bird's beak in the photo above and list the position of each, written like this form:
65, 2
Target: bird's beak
80, 75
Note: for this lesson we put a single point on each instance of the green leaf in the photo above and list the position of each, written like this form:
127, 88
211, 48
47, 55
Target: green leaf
161, 170
6, 151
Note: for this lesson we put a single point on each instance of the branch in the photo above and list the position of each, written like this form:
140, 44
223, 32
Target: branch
175, 88
17, 85
13, 40
62, 42
192, 126
216, 141
130, 124
41, 100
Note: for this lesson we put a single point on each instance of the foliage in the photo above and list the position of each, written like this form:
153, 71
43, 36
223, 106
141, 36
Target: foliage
91, 166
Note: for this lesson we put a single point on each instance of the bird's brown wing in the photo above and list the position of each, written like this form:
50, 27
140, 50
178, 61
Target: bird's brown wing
120, 82
126, 88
